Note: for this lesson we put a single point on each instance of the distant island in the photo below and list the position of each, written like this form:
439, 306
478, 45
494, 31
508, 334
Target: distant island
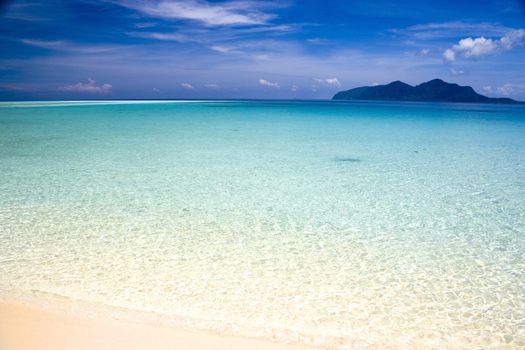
435, 90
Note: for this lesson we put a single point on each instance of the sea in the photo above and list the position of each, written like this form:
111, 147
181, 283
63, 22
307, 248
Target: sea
342, 225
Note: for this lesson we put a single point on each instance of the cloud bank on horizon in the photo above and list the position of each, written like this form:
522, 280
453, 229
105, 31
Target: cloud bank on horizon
255, 48
90, 87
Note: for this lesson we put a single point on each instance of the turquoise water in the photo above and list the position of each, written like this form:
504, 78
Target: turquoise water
345, 225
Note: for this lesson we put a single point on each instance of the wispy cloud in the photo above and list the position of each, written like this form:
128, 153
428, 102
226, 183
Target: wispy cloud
449, 55
454, 29
23, 11
187, 86
506, 89
283, 28
487, 89
318, 41
49, 44
241, 12
63, 45
512, 38
479, 47
142, 25
222, 49
178, 37
456, 72
90, 87
23, 87
334, 82
217, 38
267, 83
254, 49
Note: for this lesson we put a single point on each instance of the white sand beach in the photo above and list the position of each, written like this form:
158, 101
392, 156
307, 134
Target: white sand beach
26, 327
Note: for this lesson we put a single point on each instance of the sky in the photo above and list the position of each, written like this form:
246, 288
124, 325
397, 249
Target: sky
268, 49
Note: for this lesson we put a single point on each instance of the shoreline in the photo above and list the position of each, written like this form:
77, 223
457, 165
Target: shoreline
26, 327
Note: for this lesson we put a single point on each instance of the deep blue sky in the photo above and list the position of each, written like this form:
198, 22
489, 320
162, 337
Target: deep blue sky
76, 49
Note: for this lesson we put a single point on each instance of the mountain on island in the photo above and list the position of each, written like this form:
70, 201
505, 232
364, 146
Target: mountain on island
435, 90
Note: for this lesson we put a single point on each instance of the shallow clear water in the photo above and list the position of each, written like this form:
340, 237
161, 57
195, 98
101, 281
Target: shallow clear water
368, 225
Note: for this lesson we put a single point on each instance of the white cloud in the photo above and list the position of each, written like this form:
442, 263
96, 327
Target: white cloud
456, 72
506, 89
221, 49
449, 55
265, 82
187, 86
512, 38
475, 47
423, 52
328, 82
294, 88
236, 12
212, 86
159, 65
478, 47
89, 87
